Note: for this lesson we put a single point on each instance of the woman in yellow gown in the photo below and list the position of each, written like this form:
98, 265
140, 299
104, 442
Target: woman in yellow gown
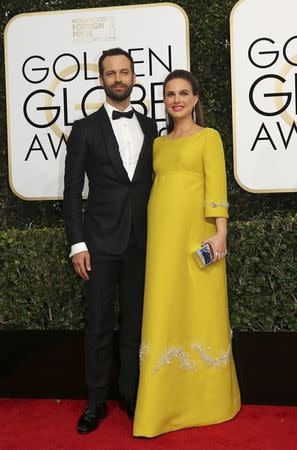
187, 373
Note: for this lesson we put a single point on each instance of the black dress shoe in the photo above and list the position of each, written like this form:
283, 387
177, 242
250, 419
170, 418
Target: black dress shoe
91, 418
128, 406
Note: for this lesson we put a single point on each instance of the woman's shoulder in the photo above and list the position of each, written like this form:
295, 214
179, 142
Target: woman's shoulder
160, 139
212, 131
213, 136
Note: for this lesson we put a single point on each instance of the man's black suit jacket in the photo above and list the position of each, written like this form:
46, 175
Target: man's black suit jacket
114, 202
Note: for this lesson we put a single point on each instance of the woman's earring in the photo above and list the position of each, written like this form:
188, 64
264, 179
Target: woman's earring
194, 115
167, 119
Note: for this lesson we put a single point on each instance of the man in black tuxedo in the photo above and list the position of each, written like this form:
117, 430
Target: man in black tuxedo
113, 147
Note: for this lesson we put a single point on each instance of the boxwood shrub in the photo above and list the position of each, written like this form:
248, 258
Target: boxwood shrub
39, 290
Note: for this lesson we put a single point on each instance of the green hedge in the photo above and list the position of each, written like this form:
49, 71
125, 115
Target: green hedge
38, 289
262, 274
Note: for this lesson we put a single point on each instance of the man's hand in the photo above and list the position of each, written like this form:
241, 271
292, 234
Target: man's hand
82, 264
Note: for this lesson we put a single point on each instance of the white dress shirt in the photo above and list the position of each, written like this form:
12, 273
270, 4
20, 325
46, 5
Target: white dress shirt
129, 137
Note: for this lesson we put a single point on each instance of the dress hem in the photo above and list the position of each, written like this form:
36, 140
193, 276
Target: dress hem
183, 427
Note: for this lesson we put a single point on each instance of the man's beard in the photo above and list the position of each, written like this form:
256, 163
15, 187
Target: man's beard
118, 96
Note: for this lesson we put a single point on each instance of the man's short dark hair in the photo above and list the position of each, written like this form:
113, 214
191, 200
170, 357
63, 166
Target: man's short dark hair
114, 52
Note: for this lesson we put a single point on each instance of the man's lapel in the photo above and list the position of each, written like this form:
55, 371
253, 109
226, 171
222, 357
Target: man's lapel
145, 147
112, 145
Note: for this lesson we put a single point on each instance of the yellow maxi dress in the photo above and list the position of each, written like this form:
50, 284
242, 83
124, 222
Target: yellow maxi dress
187, 373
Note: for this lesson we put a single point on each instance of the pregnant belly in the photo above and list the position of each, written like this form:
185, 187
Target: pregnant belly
176, 194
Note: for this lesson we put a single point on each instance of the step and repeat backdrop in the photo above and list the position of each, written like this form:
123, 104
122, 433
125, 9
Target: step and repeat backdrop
52, 79
51, 63
264, 94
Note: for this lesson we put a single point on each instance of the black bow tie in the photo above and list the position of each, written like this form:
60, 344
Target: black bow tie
119, 114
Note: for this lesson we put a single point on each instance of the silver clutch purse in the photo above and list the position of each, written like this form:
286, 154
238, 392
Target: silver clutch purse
204, 255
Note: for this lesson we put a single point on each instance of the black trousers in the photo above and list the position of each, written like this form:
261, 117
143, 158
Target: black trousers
110, 276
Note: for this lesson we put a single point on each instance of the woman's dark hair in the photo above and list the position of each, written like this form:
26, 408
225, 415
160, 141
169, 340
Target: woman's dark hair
114, 52
188, 76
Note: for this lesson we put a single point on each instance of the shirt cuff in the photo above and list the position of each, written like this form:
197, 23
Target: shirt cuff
77, 248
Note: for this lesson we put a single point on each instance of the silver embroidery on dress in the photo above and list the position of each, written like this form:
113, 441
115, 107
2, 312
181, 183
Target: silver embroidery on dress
208, 359
175, 352
185, 361
217, 204
144, 351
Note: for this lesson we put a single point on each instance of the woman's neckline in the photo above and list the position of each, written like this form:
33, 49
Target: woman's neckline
186, 136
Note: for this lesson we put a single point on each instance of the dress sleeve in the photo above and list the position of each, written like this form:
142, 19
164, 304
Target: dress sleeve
215, 199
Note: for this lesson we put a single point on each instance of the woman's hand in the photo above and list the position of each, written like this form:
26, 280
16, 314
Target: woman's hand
218, 241
218, 244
